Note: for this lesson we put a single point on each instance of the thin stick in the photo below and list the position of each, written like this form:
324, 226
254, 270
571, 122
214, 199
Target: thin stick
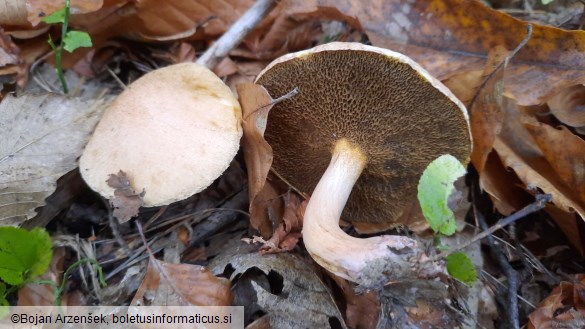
232, 37
538, 204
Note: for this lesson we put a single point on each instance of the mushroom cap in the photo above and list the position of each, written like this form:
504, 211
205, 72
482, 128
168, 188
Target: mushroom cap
173, 132
400, 116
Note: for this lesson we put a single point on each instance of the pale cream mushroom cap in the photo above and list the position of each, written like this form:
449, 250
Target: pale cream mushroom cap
173, 132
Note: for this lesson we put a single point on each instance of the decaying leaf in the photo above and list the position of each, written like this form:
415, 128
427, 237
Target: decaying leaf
287, 234
181, 285
485, 107
563, 308
568, 105
36, 10
126, 202
33, 294
42, 136
256, 103
175, 19
13, 12
453, 36
283, 285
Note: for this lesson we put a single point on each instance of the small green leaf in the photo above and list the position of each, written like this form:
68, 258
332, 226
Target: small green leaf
546, 2
434, 188
4, 305
56, 17
23, 254
461, 268
76, 39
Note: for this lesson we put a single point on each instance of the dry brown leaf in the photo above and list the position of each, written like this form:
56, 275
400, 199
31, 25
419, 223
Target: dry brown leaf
36, 10
287, 234
563, 308
485, 116
156, 19
8, 50
568, 105
363, 310
181, 285
452, 36
126, 202
33, 294
565, 152
518, 150
13, 12
505, 188
256, 103
42, 137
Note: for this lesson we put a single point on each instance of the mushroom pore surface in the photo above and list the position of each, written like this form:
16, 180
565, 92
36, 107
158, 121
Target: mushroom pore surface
399, 120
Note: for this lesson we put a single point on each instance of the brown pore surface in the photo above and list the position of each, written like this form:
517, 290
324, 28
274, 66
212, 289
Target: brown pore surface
384, 105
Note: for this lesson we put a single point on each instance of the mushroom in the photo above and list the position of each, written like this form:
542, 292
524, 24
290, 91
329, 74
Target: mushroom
364, 126
173, 132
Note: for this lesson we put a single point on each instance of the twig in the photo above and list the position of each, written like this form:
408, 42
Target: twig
538, 204
236, 33
510, 305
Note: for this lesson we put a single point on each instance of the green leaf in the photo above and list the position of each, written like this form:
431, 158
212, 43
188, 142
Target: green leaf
434, 188
546, 2
4, 305
23, 254
461, 268
56, 17
76, 39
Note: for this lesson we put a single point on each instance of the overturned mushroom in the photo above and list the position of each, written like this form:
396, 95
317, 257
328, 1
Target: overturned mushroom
173, 132
365, 124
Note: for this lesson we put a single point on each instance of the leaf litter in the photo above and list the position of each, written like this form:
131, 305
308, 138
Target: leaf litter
526, 123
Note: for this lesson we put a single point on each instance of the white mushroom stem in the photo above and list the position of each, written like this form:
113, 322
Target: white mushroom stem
327, 243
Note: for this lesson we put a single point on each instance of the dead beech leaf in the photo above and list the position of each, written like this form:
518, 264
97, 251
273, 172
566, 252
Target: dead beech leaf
156, 19
36, 10
442, 35
256, 103
567, 161
282, 285
287, 234
485, 115
42, 137
126, 202
13, 12
568, 105
8, 50
181, 285
504, 187
33, 294
563, 308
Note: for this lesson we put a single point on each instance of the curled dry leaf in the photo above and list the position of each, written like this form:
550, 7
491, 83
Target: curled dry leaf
256, 103
126, 202
182, 18
443, 38
13, 12
36, 10
536, 165
286, 236
42, 137
484, 104
181, 285
568, 105
563, 308
8, 50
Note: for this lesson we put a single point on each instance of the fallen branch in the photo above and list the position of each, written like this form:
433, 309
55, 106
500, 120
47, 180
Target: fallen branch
236, 33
